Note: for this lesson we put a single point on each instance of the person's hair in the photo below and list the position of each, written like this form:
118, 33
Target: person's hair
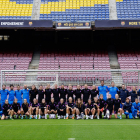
18, 85
101, 81
112, 82
11, 85
34, 88
14, 100
3, 85
26, 104
79, 105
101, 94
127, 98
135, 90
123, 84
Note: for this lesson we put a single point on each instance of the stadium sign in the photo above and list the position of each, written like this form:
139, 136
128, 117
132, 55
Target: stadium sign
73, 25
26, 23
117, 23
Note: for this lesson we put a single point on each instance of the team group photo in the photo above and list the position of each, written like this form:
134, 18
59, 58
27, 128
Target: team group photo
96, 103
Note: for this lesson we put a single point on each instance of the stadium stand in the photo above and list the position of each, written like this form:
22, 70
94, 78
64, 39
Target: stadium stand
16, 9
74, 10
129, 60
15, 61
90, 61
128, 9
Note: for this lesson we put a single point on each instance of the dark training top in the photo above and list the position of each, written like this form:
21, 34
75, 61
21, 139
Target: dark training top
63, 93
6, 107
78, 93
48, 93
110, 103
16, 106
41, 95
86, 94
117, 104
61, 106
52, 106
70, 93
33, 94
94, 93
102, 103
56, 94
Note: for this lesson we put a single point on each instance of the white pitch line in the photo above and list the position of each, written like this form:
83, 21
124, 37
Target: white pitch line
71, 124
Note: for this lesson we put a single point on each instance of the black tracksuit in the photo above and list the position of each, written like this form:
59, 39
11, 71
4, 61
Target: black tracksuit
56, 95
86, 94
48, 93
78, 93
16, 107
41, 95
61, 106
33, 94
94, 93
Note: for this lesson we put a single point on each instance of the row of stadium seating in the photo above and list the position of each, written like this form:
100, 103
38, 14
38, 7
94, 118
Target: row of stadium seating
16, 9
128, 9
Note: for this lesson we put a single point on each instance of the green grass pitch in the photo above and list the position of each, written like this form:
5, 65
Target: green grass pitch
54, 129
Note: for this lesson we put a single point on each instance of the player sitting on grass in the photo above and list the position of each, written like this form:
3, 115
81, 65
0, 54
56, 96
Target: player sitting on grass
79, 107
127, 108
16, 108
96, 108
61, 109
43, 109
70, 108
136, 108
102, 106
117, 107
89, 109
6, 111
25, 109
34, 109
109, 106
52, 107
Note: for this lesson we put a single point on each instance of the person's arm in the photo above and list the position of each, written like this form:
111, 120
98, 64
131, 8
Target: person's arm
124, 108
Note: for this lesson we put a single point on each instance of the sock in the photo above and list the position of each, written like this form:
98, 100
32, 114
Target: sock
36, 116
22, 116
67, 114
45, 116
120, 115
39, 116
72, 115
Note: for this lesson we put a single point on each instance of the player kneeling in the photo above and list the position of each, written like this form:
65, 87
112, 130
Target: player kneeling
52, 109
25, 109
61, 109
70, 108
89, 109
16, 108
109, 106
127, 108
6, 111
80, 107
136, 108
43, 109
117, 108
34, 109
96, 110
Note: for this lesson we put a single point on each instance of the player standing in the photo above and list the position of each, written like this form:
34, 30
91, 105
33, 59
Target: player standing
33, 92
25, 93
78, 93
123, 94
41, 94
48, 93
70, 92
113, 90
56, 92
133, 94
18, 95
63, 93
11, 94
103, 90
86, 94
94, 93
4, 93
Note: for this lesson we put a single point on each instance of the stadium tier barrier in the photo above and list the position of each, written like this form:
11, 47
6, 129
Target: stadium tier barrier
66, 77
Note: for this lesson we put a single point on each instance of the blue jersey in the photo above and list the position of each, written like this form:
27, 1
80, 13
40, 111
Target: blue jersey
103, 90
25, 93
4, 94
18, 94
136, 106
11, 95
113, 91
